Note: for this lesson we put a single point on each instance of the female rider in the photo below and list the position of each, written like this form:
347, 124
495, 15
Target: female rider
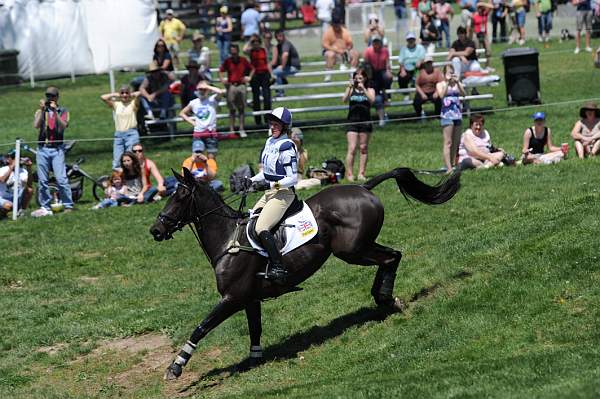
279, 160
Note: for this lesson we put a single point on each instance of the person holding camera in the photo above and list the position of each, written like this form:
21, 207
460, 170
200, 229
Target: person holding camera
7, 181
202, 167
450, 91
373, 29
360, 97
51, 120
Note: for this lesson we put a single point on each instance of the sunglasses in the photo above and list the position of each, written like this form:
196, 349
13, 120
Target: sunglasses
138, 151
125, 92
51, 95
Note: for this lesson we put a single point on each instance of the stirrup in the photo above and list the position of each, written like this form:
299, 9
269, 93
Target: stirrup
277, 274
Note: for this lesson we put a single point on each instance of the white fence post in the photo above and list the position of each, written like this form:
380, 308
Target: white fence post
16, 172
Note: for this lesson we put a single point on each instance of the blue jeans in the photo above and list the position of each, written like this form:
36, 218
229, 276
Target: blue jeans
50, 157
400, 11
123, 142
163, 101
281, 72
445, 29
223, 46
545, 23
108, 203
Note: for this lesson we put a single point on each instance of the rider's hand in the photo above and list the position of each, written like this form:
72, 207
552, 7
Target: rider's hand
247, 183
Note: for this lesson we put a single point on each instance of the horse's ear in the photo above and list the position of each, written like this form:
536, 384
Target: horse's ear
177, 175
187, 175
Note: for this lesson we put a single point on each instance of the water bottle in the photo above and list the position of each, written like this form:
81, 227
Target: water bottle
338, 177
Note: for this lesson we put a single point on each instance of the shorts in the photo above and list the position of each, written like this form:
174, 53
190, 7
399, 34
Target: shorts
450, 122
209, 139
521, 18
584, 18
359, 127
173, 48
236, 97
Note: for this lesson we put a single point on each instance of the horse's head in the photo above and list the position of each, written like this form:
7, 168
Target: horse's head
180, 209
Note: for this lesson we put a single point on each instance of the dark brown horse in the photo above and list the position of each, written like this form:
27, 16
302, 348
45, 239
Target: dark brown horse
349, 219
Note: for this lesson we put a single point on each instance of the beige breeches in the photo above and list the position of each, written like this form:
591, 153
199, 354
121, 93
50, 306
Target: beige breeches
274, 204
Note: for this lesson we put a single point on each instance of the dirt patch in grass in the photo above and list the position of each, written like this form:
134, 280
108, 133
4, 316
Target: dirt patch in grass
52, 349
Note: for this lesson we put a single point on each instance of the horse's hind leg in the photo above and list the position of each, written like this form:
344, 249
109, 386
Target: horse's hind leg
388, 260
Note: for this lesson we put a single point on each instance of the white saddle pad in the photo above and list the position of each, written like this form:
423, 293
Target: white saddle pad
300, 229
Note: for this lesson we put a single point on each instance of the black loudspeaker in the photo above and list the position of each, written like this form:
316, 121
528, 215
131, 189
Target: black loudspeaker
522, 76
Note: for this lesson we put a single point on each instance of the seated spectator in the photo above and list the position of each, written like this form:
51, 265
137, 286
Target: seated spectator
200, 54
162, 56
338, 47
125, 106
115, 193
426, 84
475, 149
586, 131
189, 82
204, 110
239, 73
261, 80
309, 15
135, 180
303, 183
373, 29
155, 92
202, 167
7, 182
378, 58
463, 54
428, 34
164, 187
285, 60
535, 139
410, 59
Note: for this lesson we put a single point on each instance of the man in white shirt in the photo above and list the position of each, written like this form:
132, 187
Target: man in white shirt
324, 9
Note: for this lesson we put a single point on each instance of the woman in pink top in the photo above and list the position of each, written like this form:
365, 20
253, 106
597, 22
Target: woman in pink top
475, 149
480, 23
443, 14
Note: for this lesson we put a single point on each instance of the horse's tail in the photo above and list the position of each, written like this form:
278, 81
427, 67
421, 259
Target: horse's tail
412, 187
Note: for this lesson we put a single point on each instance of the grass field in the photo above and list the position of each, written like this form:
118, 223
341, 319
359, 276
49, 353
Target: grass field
502, 282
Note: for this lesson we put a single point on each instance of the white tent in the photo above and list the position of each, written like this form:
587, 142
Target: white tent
60, 37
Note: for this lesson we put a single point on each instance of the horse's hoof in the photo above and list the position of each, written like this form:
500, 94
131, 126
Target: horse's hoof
394, 304
173, 372
398, 305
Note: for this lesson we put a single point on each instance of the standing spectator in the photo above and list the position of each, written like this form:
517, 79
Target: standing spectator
480, 23
162, 56
428, 33
189, 82
586, 131
499, 19
466, 14
51, 120
463, 54
426, 84
475, 149
337, 45
125, 106
251, 20
378, 58
535, 139
360, 96
7, 182
425, 8
373, 29
155, 92
203, 168
223, 29
285, 60
239, 72
400, 11
200, 54
584, 20
443, 13
414, 16
261, 80
449, 91
135, 180
172, 30
410, 59
149, 169
324, 10
520, 17
543, 12
308, 11
204, 110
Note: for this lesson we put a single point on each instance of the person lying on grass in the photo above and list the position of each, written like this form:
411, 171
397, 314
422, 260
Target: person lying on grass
535, 139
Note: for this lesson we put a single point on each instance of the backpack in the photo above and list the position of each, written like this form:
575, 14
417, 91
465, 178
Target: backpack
236, 180
335, 166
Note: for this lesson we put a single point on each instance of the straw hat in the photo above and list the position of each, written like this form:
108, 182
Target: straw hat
590, 105
224, 10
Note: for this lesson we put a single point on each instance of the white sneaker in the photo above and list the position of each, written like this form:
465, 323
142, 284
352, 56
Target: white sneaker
327, 78
547, 39
38, 213
343, 67
407, 98
243, 134
149, 116
540, 39
588, 49
521, 42
577, 50
381, 122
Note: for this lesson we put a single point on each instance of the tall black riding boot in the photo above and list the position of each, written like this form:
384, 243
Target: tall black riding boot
275, 271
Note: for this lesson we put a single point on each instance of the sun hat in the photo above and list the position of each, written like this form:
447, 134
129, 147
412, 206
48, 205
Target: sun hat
198, 146
197, 36
539, 116
590, 105
410, 35
224, 10
170, 11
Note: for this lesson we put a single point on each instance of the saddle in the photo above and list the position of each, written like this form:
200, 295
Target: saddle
278, 230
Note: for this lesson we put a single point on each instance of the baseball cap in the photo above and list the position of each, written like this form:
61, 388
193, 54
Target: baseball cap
52, 91
375, 38
169, 11
539, 116
198, 146
427, 58
410, 35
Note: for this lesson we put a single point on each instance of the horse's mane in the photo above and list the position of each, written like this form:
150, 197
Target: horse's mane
208, 191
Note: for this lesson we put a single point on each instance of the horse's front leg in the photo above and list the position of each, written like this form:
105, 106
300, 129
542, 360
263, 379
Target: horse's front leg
220, 313
255, 328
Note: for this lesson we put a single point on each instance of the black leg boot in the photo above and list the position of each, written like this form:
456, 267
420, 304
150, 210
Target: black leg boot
275, 271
